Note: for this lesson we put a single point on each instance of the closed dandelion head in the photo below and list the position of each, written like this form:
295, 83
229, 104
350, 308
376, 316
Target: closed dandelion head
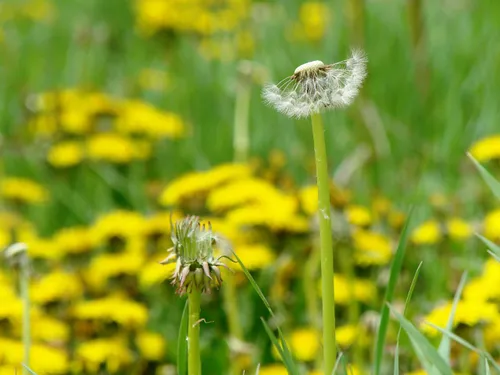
315, 87
192, 252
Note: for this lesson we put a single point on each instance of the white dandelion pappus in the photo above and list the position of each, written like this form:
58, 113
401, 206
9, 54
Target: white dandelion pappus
315, 87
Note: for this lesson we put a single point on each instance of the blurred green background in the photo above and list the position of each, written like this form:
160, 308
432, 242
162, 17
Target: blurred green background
72, 71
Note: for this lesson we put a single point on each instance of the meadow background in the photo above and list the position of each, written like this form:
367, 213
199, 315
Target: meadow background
116, 114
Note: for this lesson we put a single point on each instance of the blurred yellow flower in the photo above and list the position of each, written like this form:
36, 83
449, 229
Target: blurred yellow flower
195, 183
47, 329
486, 149
358, 215
305, 344
44, 358
313, 16
151, 345
159, 223
65, 154
351, 370
274, 369
42, 248
254, 257
308, 197
458, 229
76, 119
492, 225
22, 190
106, 266
486, 286
115, 148
118, 224
371, 248
154, 273
127, 313
363, 290
56, 286
113, 353
468, 312
428, 233
74, 240
346, 335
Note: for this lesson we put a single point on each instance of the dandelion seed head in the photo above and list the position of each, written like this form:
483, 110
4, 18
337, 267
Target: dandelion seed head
315, 87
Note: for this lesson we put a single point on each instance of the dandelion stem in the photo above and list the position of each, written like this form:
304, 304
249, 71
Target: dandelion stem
326, 245
194, 363
24, 288
241, 113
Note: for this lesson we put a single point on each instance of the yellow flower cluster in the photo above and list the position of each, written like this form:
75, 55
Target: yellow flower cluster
107, 129
313, 21
433, 231
22, 190
486, 149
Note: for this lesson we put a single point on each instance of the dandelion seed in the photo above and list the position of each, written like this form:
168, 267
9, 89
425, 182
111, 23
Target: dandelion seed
315, 87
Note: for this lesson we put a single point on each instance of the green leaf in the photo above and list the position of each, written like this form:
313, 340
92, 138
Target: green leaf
487, 367
466, 344
285, 354
389, 293
497, 258
491, 181
284, 350
182, 348
30, 370
407, 302
428, 355
495, 249
444, 345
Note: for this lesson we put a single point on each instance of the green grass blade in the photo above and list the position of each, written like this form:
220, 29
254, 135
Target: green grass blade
487, 367
30, 370
182, 349
337, 363
407, 302
428, 355
491, 181
494, 248
444, 345
496, 257
285, 352
389, 293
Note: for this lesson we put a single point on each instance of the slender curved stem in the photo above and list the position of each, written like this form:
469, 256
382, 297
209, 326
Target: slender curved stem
326, 246
194, 362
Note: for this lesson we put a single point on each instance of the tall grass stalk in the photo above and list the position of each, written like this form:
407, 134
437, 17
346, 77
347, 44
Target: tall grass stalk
417, 30
241, 115
326, 245
194, 361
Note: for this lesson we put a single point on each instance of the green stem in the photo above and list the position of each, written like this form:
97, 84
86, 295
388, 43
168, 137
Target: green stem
194, 363
233, 318
241, 114
326, 245
24, 288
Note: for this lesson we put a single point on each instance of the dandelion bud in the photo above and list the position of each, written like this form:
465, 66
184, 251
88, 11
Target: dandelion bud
196, 267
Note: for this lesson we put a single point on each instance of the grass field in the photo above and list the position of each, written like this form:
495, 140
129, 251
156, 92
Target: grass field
116, 116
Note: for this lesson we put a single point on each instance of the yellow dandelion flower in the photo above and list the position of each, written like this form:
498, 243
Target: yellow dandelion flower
159, 223
47, 329
196, 183
118, 224
351, 370
274, 369
56, 286
492, 225
5, 238
308, 197
417, 372
74, 240
346, 335
428, 233
42, 248
44, 358
115, 148
106, 266
381, 206
492, 333
458, 229
151, 345
113, 353
468, 312
240, 192
22, 190
363, 290
76, 120
66, 154
358, 215
487, 285
486, 149
305, 344
371, 248
254, 257
116, 309
153, 272
313, 17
